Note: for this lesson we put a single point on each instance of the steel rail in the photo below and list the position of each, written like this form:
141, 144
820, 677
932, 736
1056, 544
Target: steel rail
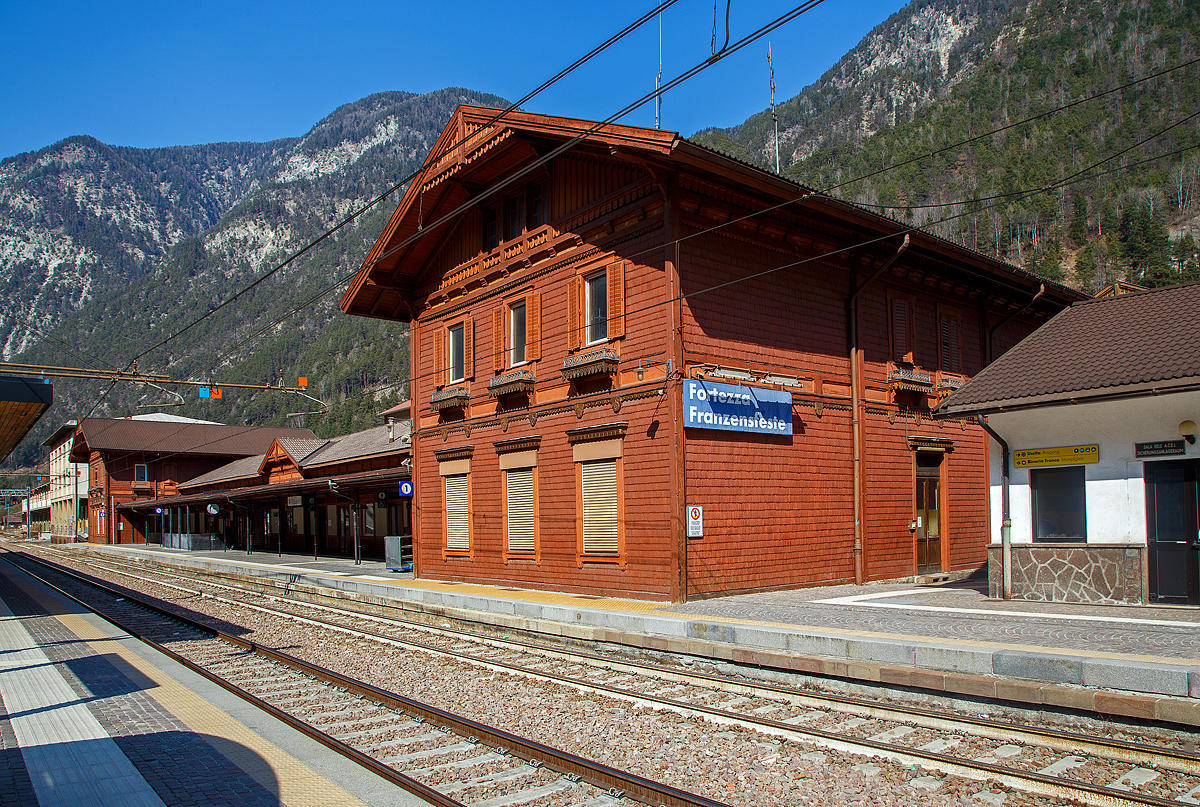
1027, 781
1117, 750
392, 775
595, 773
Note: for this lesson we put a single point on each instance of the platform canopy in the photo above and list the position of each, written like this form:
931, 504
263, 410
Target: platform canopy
23, 401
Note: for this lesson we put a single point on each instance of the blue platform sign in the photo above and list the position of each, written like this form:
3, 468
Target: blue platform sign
405, 488
707, 405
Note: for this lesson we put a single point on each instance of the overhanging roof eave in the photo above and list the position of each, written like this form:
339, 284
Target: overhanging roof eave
258, 491
1069, 398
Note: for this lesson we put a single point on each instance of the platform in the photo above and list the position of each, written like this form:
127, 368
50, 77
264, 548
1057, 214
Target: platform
91, 716
1134, 661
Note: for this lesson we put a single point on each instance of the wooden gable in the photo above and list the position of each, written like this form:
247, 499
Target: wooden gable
278, 466
467, 165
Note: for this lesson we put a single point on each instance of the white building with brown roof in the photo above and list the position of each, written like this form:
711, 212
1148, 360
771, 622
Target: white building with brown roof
1098, 469
68, 487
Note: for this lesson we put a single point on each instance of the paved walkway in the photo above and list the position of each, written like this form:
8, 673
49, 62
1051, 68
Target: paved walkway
947, 636
90, 716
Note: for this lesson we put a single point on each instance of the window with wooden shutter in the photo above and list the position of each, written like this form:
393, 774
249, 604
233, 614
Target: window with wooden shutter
616, 300
456, 342
519, 336
901, 330
596, 307
498, 338
600, 522
951, 344
468, 327
439, 356
575, 313
533, 327
458, 529
521, 513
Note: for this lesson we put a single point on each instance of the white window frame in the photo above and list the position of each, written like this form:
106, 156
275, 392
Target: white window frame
456, 373
594, 324
141, 473
518, 341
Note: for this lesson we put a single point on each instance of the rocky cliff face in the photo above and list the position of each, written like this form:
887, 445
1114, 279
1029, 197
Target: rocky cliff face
901, 67
82, 219
104, 250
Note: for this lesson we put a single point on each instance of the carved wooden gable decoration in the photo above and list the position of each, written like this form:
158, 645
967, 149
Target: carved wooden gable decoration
278, 465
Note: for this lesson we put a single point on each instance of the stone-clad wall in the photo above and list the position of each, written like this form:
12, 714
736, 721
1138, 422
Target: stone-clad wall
1071, 573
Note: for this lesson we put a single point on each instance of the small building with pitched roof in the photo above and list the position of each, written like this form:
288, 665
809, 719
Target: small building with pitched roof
1098, 413
299, 494
138, 460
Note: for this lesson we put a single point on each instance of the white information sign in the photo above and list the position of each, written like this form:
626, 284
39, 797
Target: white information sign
695, 518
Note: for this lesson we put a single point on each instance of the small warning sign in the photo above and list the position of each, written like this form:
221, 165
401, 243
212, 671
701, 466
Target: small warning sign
695, 521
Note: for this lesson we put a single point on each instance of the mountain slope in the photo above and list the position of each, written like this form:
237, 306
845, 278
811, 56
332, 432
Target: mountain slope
164, 235
940, 72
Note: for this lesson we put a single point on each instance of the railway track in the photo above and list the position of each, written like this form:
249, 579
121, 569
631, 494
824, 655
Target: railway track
446, 759
1032, 759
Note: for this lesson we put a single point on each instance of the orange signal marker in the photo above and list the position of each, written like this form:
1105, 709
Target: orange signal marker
303, 381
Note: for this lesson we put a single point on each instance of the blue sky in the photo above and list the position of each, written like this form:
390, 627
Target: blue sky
158, 74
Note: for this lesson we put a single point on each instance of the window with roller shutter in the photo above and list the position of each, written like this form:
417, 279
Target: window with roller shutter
600, 521
598, 452
521, 511
458, 523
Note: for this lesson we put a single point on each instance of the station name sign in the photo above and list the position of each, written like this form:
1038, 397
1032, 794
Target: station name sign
1063, 455
707, 405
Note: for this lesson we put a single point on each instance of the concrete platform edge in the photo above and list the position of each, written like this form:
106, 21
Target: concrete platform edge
1146, 691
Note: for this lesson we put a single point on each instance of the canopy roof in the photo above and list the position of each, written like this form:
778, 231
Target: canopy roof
23, 401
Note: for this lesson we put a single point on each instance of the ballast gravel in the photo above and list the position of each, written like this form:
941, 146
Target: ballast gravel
731, 764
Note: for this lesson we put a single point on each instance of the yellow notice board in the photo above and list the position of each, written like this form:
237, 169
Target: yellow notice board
1065, 455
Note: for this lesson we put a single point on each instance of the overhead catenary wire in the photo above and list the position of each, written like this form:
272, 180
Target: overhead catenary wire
932, 153
1048, 188
658, 92
612, 40
535, 164
802, 197
1010, 194
628, 29
687, 75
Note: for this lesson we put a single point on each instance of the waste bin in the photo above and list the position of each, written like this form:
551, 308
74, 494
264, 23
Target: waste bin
397, 557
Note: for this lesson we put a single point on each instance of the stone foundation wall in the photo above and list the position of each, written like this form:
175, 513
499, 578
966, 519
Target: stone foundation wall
1071, 573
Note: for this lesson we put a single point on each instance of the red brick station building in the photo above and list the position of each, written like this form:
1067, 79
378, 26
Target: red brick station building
641, 368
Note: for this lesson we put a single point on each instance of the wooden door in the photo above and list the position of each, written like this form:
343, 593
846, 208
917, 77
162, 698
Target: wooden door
928, 508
